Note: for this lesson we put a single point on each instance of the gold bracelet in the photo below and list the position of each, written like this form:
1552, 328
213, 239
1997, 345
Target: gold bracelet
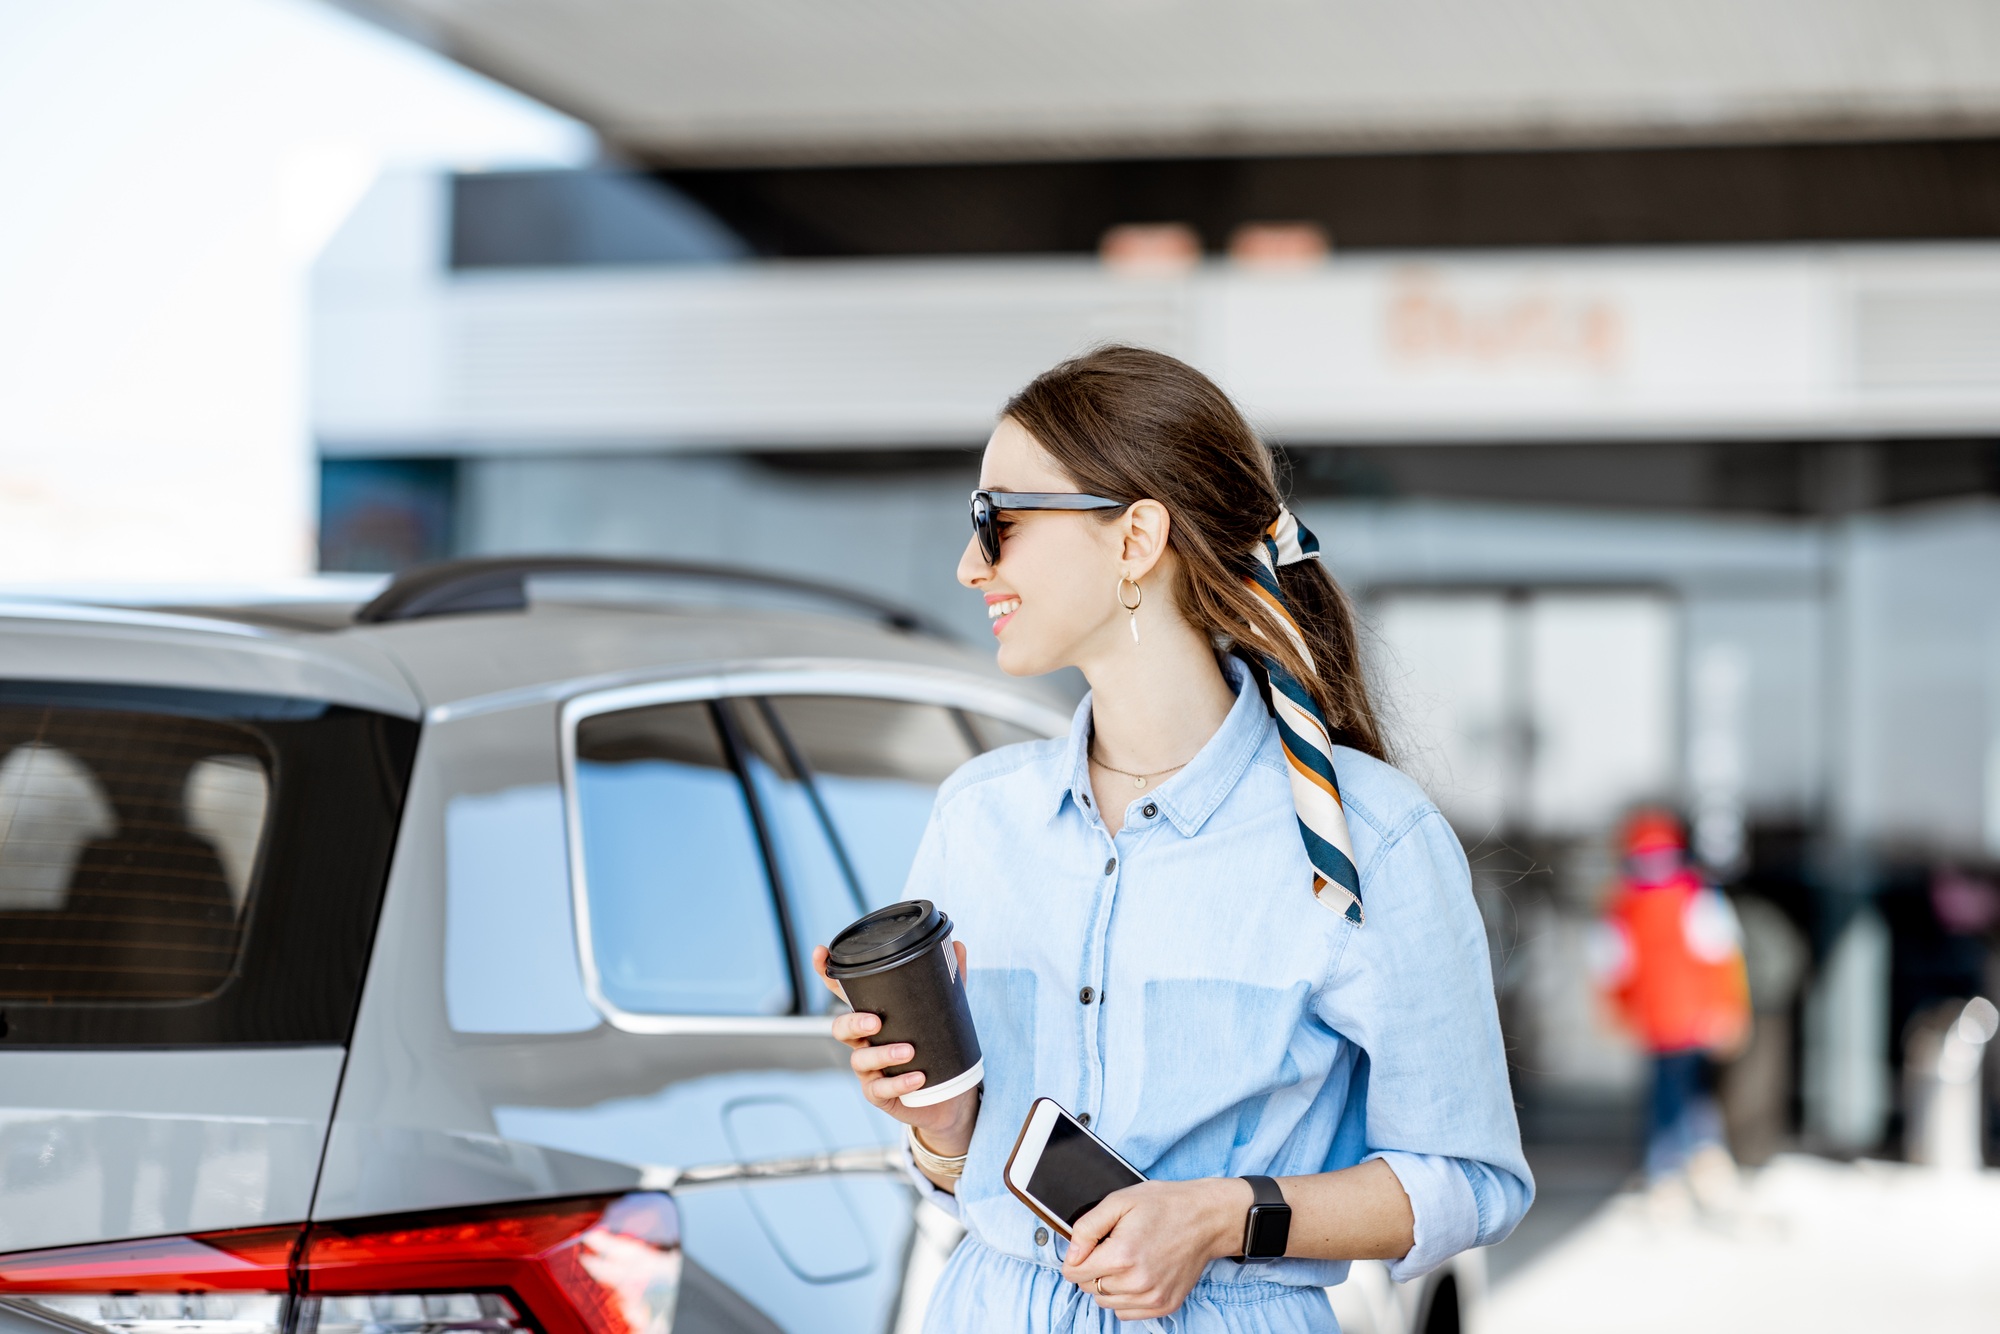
935, 1164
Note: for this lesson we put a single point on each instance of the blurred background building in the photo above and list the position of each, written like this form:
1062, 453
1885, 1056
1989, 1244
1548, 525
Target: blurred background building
1639, 366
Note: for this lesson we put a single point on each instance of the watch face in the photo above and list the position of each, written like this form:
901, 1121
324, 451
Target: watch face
1270, 1228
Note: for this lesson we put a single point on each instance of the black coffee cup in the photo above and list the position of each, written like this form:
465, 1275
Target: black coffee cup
897, 963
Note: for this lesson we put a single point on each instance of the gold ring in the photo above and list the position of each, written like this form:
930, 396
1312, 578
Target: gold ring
1100, 1288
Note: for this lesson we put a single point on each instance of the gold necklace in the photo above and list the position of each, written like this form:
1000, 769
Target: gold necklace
1138, 780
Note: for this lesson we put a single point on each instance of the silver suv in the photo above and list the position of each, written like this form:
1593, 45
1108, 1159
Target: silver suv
439, 964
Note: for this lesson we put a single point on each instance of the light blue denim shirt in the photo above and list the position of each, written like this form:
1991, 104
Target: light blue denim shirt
1180, 984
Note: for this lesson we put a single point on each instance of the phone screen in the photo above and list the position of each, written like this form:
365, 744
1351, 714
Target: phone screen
1075, 1172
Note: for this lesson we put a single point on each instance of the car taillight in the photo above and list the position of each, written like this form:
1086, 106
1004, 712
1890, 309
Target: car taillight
580, 1267
597, 1266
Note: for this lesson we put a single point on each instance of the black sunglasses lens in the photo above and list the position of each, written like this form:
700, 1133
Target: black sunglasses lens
982, 524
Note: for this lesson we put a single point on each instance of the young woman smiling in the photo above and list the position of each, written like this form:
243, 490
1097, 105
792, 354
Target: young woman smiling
1212, 920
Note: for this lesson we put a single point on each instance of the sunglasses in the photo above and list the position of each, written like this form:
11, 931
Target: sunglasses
988, 505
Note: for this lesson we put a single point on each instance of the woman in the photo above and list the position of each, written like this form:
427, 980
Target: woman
1211, 919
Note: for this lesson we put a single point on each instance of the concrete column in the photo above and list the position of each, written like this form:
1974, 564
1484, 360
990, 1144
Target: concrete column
1847, 1083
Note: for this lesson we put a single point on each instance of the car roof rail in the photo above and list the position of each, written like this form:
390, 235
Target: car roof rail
500, 583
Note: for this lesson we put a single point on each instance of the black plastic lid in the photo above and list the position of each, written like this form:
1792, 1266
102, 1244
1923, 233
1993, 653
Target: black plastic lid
906, 928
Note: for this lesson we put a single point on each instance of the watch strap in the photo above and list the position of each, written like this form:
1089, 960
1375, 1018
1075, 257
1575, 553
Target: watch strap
1264, 1190
1265, 1199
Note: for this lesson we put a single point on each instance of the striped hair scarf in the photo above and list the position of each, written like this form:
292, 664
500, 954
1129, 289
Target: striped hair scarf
1302, 727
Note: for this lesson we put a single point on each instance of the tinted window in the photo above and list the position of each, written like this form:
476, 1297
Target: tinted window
189, 866
876, 765
812, 867
681, 915
113, 883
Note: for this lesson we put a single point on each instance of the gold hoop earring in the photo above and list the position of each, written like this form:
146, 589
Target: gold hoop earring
1132, 607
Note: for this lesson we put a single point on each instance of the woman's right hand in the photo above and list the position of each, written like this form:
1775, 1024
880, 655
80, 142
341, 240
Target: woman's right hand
946, 1126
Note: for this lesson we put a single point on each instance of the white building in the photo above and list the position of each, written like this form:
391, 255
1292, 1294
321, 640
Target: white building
1660, 447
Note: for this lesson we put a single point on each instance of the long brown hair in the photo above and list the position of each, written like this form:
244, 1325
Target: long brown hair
1134, 424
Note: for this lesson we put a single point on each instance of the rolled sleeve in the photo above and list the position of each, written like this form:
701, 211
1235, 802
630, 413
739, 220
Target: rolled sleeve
1414, 991
1441, 1202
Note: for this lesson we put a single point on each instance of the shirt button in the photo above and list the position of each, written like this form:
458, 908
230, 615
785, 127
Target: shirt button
1111, 866
1083, 797
1149, 810
1041, 1236
1083, 1118
1087, 995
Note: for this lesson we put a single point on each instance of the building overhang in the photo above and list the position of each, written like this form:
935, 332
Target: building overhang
719, 82
411, 357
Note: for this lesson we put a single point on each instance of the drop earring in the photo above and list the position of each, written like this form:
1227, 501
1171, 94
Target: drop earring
1132, 607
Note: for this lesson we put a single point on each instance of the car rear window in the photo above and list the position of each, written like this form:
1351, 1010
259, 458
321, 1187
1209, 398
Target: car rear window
189, 867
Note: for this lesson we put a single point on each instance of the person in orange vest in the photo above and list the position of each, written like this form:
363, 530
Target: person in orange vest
1669, 957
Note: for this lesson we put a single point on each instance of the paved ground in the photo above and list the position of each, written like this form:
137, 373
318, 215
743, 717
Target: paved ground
1813, 1246
1583, 1152
1572, 1182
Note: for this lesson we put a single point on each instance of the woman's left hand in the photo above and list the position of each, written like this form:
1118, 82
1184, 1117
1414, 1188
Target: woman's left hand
1148, 1244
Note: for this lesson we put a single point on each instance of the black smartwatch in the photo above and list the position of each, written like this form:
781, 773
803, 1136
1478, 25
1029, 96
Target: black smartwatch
1269, 1225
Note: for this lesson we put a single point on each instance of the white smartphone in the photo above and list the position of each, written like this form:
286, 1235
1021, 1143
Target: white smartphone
1060, 1170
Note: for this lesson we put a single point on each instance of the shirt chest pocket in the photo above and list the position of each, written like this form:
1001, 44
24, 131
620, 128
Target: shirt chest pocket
1215, 1033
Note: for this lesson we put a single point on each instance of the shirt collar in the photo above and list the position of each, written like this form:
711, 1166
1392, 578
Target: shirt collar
1189, 797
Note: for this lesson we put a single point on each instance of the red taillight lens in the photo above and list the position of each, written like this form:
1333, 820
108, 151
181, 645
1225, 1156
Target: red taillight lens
220, 1283
248, 1259
598, 1266
582, 1267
